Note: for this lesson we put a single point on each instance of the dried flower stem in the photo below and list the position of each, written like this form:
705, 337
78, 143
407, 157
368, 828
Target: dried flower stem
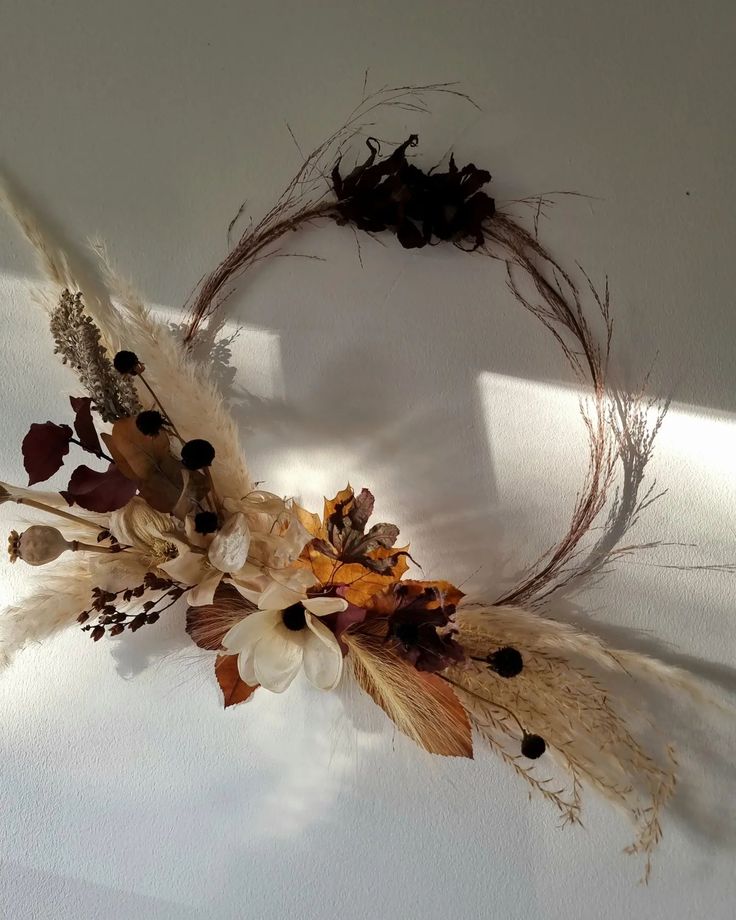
49, 509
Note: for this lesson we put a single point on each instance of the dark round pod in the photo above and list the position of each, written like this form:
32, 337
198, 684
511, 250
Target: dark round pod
126, 362
197, 454
533, 746
506, 662
150, 422
206, 522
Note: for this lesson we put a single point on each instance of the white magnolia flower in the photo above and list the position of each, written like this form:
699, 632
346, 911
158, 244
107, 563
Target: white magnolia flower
284, 634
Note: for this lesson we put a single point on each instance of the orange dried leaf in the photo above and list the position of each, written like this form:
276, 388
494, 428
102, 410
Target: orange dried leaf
309, 521
342, 498
234, 690
361, 585
423, 706
447, 595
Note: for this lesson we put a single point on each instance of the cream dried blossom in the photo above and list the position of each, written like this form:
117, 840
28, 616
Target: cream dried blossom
78, 342
276, 535
150, 540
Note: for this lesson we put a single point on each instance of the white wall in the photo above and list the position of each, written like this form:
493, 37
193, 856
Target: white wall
125, 791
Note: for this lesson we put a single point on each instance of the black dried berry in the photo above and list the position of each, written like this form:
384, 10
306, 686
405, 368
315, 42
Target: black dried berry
126, 362
206, 522
150, 422
197, 454
533, 746
506, 662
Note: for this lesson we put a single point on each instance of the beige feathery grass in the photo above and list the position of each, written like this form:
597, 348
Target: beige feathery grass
561, 695
60, 596
185, 387
483, 627
421, 705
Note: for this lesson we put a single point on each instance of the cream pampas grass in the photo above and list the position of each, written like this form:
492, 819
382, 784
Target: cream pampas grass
179, 380
54, 605
561, 694
126, 323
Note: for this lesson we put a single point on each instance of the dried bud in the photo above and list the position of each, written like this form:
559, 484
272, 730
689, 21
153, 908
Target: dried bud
206, 522
197, 454
150, 422
506, 662
533, 746
126, 362
37, 545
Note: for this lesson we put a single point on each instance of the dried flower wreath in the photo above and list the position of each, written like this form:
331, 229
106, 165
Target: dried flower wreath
273, 589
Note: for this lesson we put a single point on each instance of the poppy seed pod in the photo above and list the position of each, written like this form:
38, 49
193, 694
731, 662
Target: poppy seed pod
37, 545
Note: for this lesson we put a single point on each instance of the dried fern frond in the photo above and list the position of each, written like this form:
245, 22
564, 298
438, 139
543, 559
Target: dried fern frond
421, 705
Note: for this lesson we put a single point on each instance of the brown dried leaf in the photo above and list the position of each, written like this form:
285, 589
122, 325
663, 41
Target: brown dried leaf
208, 624
148, 462
137, 454
422, 706
96, 491
234, 690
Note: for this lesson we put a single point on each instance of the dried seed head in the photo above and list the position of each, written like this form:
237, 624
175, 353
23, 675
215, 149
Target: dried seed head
533, 746
77, 340
126, 362
150, 422
206, 522
197, 454
37, 545
506, 662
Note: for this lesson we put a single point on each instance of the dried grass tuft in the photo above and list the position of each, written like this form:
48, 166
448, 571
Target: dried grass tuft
561, 695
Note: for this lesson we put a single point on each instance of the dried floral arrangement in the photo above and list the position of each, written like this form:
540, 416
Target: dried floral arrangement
272, 588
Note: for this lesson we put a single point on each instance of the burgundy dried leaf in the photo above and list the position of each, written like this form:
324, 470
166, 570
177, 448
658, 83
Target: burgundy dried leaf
44, 449
84, 425
95, 491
